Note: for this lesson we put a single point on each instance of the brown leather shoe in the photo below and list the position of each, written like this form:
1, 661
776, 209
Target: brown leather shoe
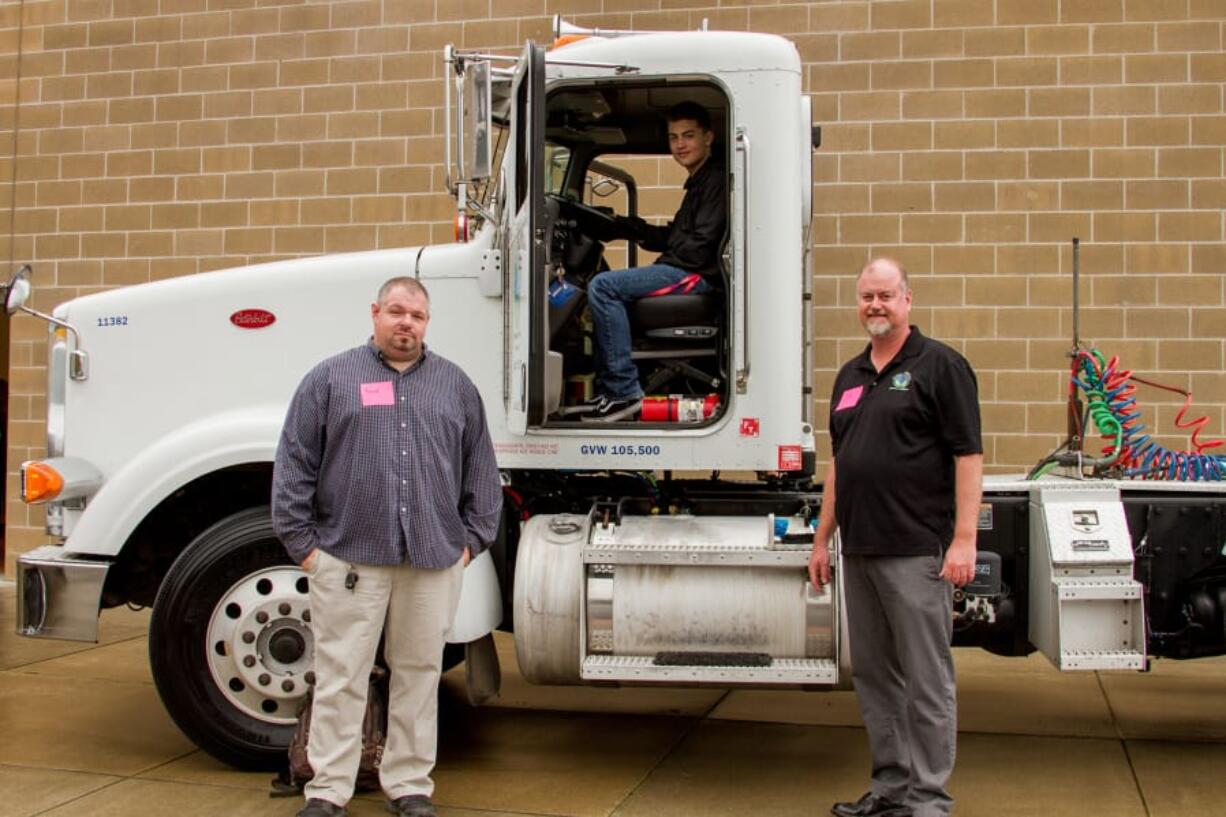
871, 805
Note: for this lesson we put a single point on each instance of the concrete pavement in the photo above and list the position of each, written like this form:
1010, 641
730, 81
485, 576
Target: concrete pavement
82, 732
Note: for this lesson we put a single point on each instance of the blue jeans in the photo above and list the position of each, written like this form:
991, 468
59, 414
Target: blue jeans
608, 294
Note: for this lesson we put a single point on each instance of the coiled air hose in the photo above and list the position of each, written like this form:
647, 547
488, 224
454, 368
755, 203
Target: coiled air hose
1111, 404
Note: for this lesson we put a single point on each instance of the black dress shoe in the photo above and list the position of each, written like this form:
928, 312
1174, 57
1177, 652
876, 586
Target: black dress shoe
316, 807
871, 805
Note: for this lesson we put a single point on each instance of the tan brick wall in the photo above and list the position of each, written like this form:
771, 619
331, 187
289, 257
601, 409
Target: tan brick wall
970, 138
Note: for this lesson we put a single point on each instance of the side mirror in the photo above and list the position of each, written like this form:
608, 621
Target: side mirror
476, 129
18, 290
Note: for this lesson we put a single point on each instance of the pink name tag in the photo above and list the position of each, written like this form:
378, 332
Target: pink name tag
849, 398
378, 394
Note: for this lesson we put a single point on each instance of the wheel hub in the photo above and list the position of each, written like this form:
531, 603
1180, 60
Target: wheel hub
260, 644
286, 646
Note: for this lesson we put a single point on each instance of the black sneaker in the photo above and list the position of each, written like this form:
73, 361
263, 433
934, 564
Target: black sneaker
586, 407
611, 410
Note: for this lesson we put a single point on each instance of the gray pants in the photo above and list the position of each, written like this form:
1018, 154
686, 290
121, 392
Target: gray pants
900, 623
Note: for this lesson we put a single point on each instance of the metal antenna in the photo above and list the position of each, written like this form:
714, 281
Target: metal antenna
1076, 294
1075, 431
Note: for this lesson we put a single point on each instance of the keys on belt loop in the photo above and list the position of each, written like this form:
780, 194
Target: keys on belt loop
351, 579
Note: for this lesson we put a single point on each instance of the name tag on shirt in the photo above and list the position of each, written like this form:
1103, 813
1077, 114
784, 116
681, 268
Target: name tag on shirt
848, 399
378, 394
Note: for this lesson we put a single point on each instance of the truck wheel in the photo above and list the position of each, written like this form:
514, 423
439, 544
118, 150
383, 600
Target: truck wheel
230, 641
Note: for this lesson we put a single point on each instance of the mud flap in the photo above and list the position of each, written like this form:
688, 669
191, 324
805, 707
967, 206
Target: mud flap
482, 674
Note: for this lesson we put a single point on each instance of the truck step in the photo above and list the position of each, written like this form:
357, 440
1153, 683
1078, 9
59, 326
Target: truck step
1109, 589
643, 668
695, 540
697, 555
1102, 660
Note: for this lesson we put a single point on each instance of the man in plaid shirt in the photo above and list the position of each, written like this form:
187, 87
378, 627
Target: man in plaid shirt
385, 486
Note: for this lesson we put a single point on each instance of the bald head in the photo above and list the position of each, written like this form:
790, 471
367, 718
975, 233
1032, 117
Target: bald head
884, 265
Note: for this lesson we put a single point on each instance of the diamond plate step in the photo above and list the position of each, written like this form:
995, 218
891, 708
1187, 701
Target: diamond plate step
643, 668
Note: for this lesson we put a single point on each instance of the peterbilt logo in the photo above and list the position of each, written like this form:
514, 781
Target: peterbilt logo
253, 318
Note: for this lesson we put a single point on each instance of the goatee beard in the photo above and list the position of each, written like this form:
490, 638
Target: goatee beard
877, 326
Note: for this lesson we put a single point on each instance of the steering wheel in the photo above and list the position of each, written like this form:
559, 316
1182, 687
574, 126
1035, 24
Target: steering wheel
592, 221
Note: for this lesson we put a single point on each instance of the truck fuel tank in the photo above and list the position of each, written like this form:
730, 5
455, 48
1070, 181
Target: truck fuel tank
690, 599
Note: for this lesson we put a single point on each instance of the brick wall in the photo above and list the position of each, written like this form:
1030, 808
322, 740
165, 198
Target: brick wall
971, 138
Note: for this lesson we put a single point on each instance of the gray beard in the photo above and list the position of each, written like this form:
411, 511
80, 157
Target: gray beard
877, 326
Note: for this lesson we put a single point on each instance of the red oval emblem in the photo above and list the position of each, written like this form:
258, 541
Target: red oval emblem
253, 318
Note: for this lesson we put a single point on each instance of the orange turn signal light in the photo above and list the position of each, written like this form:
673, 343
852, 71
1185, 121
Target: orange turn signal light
40, 482
567, 39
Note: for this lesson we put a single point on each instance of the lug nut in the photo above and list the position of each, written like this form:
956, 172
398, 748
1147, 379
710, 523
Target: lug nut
287, 685
264, 679
261, 617
248, 637
248, 661
283, 608
306, 616
309, 678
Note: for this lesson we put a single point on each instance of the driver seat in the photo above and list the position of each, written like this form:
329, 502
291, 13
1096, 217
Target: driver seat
671, 331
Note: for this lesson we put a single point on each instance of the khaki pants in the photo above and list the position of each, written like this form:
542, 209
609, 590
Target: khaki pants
414, 608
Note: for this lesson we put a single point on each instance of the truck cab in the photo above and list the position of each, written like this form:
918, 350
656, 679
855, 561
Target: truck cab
581, 130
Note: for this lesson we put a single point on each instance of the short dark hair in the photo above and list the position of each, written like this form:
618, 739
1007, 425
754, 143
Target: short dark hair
401, 282
690, 110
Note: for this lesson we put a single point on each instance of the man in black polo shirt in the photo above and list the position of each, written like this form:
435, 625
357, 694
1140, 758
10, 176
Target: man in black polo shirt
904, 427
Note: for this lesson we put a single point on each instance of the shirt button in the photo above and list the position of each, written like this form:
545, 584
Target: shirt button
404, 453
404, 482
402, 425
403, 510
401, 399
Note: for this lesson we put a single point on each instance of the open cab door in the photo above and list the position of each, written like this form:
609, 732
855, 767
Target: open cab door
526, 335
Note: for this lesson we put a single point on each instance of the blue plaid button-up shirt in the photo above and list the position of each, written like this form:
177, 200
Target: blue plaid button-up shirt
382, 467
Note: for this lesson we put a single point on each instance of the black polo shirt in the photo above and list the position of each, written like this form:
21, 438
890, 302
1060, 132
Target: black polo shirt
895, 435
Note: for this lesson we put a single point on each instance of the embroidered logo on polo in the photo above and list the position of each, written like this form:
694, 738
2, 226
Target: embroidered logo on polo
901, 382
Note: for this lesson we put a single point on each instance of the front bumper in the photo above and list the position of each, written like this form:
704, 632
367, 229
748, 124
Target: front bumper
59, 595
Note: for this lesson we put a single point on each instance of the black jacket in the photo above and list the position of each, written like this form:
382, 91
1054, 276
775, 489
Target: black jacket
692, 239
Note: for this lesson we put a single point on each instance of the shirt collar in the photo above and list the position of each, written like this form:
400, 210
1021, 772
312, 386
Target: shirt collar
378, 353
910, 348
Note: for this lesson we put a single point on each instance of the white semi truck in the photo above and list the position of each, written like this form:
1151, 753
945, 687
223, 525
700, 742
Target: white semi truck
165, 403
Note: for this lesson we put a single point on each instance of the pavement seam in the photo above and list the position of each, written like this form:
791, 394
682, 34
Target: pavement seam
1119, 733
95, 646
681, 738
79, 797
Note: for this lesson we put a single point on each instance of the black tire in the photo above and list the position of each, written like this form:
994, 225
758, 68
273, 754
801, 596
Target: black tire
215, 562
238, 552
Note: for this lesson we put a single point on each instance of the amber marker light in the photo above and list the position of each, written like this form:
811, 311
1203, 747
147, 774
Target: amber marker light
567, 39
461, 227
40, 482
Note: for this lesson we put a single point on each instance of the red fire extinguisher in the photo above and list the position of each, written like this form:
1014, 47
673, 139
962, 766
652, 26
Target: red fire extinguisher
676, 408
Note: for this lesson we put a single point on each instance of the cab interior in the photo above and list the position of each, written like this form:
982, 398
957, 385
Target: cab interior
606, 155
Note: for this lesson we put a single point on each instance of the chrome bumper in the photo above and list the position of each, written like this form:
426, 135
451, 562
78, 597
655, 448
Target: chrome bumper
58, 596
